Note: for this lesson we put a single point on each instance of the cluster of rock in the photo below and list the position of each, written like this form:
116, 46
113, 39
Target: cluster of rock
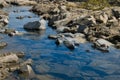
10, 62
94, 25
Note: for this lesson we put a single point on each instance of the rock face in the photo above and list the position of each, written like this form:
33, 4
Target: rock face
36, 25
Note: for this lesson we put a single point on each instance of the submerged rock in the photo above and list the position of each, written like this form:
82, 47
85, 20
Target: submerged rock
3, 44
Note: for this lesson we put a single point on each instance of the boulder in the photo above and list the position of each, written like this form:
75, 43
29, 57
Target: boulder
36, 25
52, 36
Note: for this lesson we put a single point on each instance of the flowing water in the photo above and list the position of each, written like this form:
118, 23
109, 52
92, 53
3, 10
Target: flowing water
53, 62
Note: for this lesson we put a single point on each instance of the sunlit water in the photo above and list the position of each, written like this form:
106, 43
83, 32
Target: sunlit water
58, 61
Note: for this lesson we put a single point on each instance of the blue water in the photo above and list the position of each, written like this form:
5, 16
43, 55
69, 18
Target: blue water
58, 62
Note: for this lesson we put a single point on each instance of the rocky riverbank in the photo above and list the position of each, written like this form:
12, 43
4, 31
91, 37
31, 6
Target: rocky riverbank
68, 18
74, 25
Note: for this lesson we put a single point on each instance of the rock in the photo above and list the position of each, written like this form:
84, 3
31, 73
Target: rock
69, 44
81, 28
79, 38
9, 58
116, 12
20, 17
30, 72
68, 35
52, 36
32, 25
36, 25
3, 19
102, 44
7, 31
3, 3
3, 44
117, 45
104, 18
59, 41
43, 24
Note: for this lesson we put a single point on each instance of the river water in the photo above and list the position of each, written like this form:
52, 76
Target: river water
57, 62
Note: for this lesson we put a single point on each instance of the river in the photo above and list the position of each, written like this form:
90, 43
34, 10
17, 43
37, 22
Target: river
55, 61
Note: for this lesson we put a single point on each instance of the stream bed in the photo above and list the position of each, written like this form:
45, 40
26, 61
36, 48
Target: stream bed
58, 62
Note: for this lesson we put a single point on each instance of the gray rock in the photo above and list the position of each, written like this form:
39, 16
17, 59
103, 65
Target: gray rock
36, 25
52, 36
102, 44
59, 41
69, 44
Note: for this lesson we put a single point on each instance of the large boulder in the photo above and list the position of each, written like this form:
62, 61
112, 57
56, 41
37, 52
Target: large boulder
36, 25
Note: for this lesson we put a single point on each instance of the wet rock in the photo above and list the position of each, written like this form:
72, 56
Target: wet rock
36, 25
59, 41
102, 44
69, 44
52, 36
20, 17
7, 31
3, 44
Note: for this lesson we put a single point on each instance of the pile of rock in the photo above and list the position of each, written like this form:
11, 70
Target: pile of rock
10, 62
